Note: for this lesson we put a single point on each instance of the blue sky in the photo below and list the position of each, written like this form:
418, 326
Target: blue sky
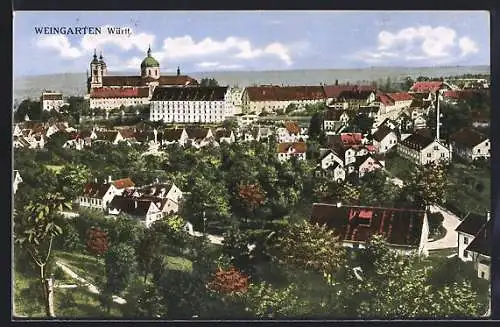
254, 40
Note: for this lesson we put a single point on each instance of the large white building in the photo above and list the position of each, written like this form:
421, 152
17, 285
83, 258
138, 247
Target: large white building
422, 149
51, 101
110, 92
189, 104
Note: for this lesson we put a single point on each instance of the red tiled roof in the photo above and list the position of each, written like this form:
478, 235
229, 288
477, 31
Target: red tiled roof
424, 87
139, 81
123, 183
334, 91
128, 92
385, 99
285, 93
400, 96
458, 94
359, 224
351, 138
299, 147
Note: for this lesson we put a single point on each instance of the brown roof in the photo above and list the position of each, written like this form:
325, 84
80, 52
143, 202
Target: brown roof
139, 81
222, 133
381, 133
95, 190
362, 159
106, 135
285, 93
483, 241
127, 133
188, 93
355, 94
333, 114
417, 141
359, 224
299, 147
133, 207
471, 224
468, 137
123, 183
196, 133
52, 96
334, 91
171, 134
113, 92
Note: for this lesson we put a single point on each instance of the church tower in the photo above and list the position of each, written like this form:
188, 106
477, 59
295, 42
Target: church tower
103, 66
95, 72
150, 67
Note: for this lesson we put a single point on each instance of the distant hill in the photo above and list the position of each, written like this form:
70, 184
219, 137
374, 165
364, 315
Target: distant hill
74, 83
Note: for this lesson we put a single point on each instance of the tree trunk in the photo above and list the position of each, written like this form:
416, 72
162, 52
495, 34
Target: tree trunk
49, 304
45, 290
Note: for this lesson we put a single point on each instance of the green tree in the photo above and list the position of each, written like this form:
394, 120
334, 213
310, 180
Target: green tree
427, 184
72, 178
28, 107
316, 126
309, 247
34, 231
148, 250
211, 82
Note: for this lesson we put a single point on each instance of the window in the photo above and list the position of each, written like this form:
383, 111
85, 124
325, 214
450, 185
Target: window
478, 150
436, 147
466, 254
442, 155
466, 240
482, 274
428, 155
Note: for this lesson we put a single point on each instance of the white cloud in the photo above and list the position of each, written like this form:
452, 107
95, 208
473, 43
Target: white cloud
467, 46
217, 66
140, 41
232, 47
437, 44
207, 64
61, 44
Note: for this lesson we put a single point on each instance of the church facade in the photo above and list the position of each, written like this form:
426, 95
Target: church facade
113, 91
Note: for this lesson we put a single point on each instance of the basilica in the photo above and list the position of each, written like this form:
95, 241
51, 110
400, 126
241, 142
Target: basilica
113, 91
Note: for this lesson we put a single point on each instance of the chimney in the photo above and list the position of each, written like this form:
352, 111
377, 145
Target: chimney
156, 135
109, 179
437, 116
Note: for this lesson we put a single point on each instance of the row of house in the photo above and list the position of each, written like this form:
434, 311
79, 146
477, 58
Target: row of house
147, 203
34, 135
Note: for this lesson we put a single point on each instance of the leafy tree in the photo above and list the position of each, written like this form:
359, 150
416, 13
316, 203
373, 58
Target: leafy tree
28, 107
228, 281
34, 231
252, 197
427, 184
149, 249
291, 107
211, 82
264, 301
316, 126
97, 241
72, 179
309, 247
435, 221
362, 123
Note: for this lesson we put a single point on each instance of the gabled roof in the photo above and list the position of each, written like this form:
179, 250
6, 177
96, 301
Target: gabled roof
222, 133
95, 190
285, 93
355, 94
471, 224
156, 190
468, 137
381, 133
133, 207
352, 223
196, 133
482, 242
417, 141
106, 135
362, 159
171, 134
334, 91
139, 81
123, 183
333, 114
299, 147
385, 99
400, 96
424, 87
351, 138
188, 93
127, 133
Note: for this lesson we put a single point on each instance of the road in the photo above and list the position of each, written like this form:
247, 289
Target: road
214, 239
450, 222
92, 288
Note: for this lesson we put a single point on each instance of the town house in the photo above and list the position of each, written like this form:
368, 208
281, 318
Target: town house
422, 149
295, 149
146, 211
470, 145
199, 137
173, 135
467, 230
334, 119
480, 250
384, 139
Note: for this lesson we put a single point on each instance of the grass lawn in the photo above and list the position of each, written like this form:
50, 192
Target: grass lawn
469, 189
399, 167
54, 168
86, 266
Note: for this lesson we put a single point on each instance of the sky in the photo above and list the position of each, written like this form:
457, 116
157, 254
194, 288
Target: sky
206, 41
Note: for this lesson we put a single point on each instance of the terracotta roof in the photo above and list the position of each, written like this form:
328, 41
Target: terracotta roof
171, 134
385, 99
197, 132
285, 93
400, 96
359, 224
471, 224
334, 91
299, 147
381, 133
458, 94
417, 141
468, 137
52, 96
128, 92
424, 87
200, 93
139, 81
123, 183
133, 207
483, 241
351, 138
292, 127
95, 190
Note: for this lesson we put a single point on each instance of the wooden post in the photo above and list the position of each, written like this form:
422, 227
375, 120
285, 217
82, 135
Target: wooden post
50, 294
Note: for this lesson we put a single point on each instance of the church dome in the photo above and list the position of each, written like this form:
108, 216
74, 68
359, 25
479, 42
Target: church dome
149, 61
